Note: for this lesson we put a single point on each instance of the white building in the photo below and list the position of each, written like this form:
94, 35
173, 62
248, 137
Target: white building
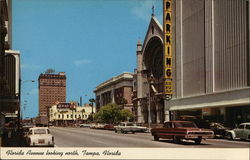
64, 114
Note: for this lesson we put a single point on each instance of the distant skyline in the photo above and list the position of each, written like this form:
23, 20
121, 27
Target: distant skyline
90, 40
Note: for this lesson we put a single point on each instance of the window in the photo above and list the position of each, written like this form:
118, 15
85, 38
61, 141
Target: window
58, 115
130, 124
185, 124
30, 132
67, 116
39, 131
248, 126
241, 126
167, 125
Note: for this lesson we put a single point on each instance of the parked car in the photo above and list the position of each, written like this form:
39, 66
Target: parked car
40, 136
219, 129
139, 128
25, 131
125, 127
50, 124
241, 132
178, 130
109, 127
97, 126
85, 125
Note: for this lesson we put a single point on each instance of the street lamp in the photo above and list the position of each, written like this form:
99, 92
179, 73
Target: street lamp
19, 95
19, 108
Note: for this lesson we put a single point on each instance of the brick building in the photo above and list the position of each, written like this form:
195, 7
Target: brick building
52, 89
115, 90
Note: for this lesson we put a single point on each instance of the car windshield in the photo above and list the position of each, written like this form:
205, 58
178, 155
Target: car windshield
130, 124
185, 124
40, 131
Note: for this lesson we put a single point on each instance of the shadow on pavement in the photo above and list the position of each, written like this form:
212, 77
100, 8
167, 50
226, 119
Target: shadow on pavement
184, 142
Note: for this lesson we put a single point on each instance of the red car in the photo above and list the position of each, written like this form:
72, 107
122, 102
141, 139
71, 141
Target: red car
178, 130
109, 127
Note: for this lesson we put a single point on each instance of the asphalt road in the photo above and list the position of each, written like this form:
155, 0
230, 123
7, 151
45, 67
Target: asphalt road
86, 137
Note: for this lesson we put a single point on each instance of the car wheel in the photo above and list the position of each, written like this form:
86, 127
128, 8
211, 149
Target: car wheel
229, 136
133, 132
122, 131
156, 138
197, 141
177, 140
115, 131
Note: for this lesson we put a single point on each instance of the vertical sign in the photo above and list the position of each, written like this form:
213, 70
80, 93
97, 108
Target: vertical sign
168, 62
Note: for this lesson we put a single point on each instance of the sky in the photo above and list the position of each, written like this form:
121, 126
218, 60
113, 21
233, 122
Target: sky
90, 40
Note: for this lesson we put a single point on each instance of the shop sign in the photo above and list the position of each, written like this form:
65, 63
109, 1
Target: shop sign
168, 60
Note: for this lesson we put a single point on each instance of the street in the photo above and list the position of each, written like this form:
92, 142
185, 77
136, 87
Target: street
86, 137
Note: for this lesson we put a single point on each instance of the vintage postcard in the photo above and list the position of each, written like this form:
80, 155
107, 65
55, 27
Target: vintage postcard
125, 79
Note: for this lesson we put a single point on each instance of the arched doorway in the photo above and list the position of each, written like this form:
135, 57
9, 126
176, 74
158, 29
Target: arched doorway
153, 64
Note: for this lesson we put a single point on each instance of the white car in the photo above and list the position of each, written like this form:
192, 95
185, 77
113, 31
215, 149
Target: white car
125, 127
40, 136
85, 125
241, 132
97, 126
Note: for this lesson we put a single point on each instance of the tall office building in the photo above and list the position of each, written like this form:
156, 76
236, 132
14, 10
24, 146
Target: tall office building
52, 89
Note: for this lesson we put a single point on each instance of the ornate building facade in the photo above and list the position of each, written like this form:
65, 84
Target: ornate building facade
148, 83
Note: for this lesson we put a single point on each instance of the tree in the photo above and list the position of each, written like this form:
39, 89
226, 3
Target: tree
126, 115
92, 101
108, 114
112, 113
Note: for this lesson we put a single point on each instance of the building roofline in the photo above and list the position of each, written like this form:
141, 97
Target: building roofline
124, 75
155, 21
52, 75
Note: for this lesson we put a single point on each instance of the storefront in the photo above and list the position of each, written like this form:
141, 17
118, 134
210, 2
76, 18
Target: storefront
230, 116
239, 114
